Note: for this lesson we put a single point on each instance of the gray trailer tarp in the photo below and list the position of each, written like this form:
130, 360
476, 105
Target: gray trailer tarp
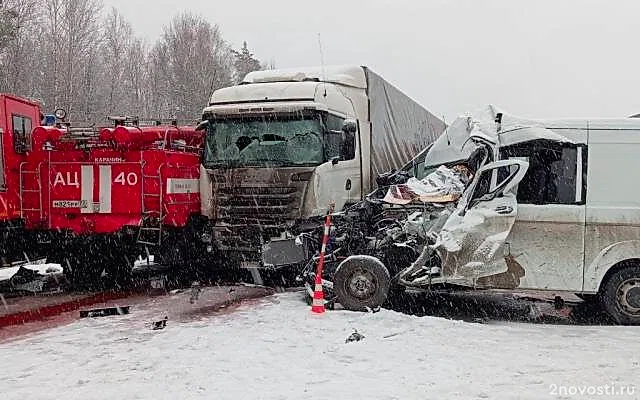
400, 127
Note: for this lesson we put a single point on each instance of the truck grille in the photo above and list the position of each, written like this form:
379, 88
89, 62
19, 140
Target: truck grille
248, 216
269, 207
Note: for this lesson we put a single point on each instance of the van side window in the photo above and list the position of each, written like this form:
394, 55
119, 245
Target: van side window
21, 133
552, 176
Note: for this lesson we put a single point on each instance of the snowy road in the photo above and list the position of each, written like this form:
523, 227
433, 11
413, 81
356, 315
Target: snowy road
275, 349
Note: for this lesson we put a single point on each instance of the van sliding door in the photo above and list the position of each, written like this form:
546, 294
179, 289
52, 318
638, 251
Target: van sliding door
547, 239
613, 204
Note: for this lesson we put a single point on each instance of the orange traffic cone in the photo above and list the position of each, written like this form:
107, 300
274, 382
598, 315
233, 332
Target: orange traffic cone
317, 306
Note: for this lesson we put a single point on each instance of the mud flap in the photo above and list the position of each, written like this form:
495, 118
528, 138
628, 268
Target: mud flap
470, 241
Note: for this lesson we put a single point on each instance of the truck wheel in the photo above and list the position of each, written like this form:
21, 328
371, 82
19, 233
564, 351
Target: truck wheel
620, 296
361, 282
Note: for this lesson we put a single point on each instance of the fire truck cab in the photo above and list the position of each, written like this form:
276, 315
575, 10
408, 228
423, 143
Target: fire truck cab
17, 118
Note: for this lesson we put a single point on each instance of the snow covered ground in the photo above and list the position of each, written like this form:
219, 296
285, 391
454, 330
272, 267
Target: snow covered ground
275, 349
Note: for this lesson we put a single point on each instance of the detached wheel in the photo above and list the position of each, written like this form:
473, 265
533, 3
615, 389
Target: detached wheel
620, 296
361, 282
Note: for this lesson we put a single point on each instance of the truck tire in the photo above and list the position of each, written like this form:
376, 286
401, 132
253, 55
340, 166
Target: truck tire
361, 283
620, 295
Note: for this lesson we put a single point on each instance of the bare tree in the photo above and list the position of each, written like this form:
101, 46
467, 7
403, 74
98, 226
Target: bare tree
187, 63
116, 46
135, 77
271, 64
244, 63
158, 80
17, 22
68, 53
8, 23
71, 35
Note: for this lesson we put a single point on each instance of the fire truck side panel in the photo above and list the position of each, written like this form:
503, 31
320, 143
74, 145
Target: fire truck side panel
105, 189
91, 197
181, 188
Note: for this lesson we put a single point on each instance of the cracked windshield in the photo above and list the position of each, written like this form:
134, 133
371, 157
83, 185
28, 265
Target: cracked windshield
262, 141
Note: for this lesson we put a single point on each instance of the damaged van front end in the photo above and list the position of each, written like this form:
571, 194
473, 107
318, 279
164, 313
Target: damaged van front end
447, 238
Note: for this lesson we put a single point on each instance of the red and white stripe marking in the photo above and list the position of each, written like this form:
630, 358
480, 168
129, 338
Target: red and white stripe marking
318, 295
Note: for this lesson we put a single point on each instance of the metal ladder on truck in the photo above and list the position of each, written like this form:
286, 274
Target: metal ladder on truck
26, 191
150, 230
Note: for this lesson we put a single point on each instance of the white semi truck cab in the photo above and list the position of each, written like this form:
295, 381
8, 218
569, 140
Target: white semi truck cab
285, 144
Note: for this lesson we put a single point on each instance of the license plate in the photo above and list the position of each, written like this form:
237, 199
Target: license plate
70, 204
249, 264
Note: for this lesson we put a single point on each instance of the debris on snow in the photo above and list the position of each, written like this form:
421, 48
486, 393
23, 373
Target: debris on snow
354, 337
30, 277
104, 312
157, 325
42, 269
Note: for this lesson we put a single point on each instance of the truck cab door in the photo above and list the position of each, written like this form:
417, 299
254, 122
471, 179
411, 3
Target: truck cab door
339, 179
470, 240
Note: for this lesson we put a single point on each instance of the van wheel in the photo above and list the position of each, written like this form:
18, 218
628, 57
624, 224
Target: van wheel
620, 296
361, 282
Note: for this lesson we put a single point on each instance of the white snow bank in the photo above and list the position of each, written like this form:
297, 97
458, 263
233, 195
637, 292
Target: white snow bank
42, 269
278, 350
45, 269
7, 273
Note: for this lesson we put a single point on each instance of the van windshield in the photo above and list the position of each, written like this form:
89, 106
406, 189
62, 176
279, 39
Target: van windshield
273, 140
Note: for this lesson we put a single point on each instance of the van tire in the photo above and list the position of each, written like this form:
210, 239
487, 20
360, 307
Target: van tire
361, 283
620, 295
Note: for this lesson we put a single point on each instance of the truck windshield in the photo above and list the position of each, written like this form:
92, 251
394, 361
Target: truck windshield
265, 141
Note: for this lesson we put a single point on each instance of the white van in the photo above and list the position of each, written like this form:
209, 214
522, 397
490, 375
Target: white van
554, 205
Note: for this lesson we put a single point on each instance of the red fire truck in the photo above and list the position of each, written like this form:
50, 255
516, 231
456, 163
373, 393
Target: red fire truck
94, 199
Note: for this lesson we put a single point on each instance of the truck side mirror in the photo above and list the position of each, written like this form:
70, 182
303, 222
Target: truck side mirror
350, 126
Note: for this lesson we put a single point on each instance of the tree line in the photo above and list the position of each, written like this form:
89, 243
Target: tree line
76, 55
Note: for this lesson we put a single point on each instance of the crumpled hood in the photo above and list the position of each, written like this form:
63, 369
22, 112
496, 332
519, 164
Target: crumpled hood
456, 144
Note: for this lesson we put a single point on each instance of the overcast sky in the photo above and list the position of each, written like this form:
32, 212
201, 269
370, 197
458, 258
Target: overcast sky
534, 58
